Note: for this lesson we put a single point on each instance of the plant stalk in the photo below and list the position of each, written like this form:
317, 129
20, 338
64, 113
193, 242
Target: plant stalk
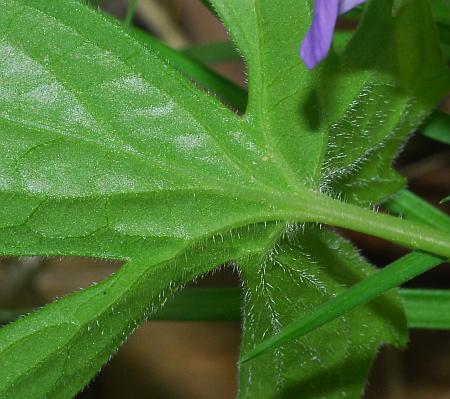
322, 209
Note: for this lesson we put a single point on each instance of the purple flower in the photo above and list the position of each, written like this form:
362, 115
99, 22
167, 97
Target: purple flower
317, 41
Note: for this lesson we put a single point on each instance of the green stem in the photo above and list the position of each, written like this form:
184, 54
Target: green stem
413, 235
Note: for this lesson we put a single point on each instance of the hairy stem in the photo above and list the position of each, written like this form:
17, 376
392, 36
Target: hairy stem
322, 209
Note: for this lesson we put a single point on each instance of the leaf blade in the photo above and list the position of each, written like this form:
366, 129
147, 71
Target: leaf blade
121, 160
383, 280
427, 309
437, 127
75, 336
293, 280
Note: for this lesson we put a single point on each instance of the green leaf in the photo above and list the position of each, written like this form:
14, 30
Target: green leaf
100, 119
361, 293
230, 92
393, 275
56, 351
429, 309
304, 271
437, 127
368, 133
109, 151
113, 114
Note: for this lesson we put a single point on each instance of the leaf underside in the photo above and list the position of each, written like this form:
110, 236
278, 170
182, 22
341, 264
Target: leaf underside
108, 151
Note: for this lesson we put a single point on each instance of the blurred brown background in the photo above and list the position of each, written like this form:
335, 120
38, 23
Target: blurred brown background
197, 360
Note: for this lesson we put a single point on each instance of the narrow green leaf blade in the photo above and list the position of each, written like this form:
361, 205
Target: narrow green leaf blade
437, 127
212, 53
411, 206
203, 304
427, 309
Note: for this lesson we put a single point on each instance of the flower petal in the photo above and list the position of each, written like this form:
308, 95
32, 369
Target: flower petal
346, 5
317, 41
